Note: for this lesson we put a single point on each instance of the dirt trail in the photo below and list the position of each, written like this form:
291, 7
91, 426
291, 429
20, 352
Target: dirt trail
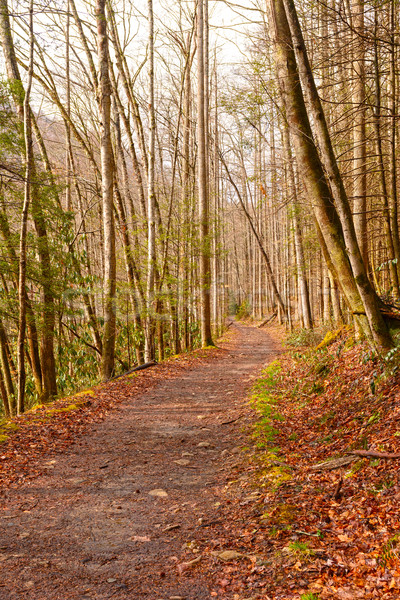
88, 528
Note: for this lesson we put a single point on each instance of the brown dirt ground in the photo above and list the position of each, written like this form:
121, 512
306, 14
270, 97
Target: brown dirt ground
84, 526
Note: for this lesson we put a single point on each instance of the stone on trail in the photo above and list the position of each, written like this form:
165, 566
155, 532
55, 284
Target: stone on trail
227, 555
158, 493
204, 445
183, 462
171, 527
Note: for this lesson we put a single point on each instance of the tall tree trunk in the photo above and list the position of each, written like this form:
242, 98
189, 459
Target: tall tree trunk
298, 238
387, 224
393, 200
359, 132
374, 325
149, 348
24, 225
205, 248
271, 278
107, 181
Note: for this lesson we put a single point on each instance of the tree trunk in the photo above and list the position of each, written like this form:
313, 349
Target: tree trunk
149, 348
205, 247
24, 226
374, 326
359, 132
107, 181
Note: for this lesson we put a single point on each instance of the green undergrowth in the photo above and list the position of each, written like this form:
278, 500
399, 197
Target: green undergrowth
272, 471
317, 405
264, 401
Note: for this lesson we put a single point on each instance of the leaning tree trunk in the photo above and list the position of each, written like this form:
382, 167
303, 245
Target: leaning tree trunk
374, 326
316, 185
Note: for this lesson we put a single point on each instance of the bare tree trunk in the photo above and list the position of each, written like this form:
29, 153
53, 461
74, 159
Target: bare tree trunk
375, 327
107, 181
151, 216
387, 224
298, 241
24, 225
8, 368
267, 262
393, 200
205, 247
359, 132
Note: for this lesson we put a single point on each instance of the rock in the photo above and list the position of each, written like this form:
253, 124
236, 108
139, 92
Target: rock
182, 462
227, 555
158, 493
171, 527
140, 538
204, 445
111, 580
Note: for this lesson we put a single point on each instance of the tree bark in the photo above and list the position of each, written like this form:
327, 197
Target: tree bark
149, 349
24, 226
107, 182
205, 246
374, 326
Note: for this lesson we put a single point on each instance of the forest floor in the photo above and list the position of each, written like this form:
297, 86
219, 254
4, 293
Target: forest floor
168, 485
113, 493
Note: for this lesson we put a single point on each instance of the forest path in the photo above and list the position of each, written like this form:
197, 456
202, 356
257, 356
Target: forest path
109, 518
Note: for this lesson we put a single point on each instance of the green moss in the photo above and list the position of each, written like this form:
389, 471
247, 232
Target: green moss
63, 409
329, 338
84, 393
68, 408
278, 476
357, 466
10, 426
264, 400
6, 429
281, 514
350, 342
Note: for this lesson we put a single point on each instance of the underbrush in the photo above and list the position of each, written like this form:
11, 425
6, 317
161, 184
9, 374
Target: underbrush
305, 337
315, 406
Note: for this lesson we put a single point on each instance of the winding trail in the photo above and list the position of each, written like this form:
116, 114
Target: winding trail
110, 517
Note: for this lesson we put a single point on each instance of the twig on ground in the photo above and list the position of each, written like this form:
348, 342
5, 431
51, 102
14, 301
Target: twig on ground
336, 463
374, 454
152, 363
232, 420
267, 320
